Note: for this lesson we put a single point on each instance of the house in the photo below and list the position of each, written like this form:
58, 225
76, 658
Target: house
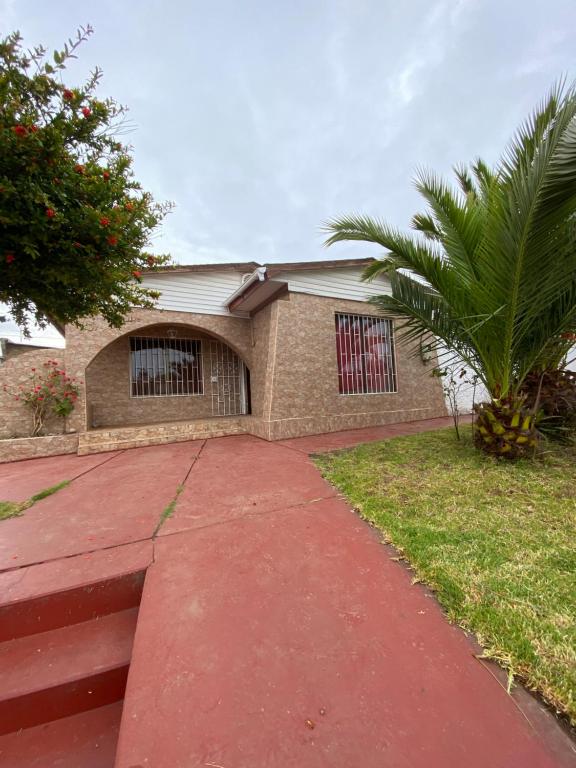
275, 350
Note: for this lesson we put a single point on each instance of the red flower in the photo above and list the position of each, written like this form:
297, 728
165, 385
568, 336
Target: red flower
104, 221
129, 207
105, 175
50, 212
112, 240
77, 245
33, 128
20, 130
10, 258
137, 274
79, 168
68, 95
86, 112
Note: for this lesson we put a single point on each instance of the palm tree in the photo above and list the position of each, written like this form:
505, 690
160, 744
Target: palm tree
491, 272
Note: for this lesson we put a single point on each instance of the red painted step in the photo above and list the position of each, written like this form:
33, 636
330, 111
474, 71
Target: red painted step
71, 590
64, 671
87, 740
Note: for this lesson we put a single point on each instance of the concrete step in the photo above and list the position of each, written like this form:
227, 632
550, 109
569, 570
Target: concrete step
65, 671
66, 632
43, 597
88, 740
118, 438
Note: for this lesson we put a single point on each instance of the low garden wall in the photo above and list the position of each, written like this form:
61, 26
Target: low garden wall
19, 448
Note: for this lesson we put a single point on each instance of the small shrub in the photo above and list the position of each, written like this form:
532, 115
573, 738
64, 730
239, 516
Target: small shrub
49, 391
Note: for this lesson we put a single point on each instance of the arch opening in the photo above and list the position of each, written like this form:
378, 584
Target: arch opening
165, 373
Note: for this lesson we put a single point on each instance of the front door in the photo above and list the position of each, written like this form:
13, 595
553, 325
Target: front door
228, 381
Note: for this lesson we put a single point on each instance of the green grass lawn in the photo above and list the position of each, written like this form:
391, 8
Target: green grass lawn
495, 540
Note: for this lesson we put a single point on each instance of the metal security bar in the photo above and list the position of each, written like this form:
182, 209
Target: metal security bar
161, 367
365, 352
228, 381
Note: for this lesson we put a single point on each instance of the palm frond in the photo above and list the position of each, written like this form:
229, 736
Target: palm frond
465, 182
491, 269
460, 225
402, 252
424, 223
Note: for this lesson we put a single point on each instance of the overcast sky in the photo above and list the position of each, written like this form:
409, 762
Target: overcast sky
261, 119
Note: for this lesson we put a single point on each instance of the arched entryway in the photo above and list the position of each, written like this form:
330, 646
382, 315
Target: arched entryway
163, 373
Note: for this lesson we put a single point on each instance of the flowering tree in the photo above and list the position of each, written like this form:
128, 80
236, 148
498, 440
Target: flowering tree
49, 392
73, 220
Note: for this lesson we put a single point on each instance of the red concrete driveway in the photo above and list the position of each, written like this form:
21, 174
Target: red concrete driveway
118, 501
275, 629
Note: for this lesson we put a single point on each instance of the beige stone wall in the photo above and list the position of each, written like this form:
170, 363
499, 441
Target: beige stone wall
82, 346
262, 349
303, 375
289, 347
15, 350
108, 388
15, 418
36, 447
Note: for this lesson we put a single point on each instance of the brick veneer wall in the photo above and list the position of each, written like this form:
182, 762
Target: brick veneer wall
35, 447
303, 375
82, 346
15, 418
108, 388
289, 347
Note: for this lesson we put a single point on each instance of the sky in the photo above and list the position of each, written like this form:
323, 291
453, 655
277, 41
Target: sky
261, 119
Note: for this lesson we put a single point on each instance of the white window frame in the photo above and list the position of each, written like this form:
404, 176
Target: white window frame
187, 345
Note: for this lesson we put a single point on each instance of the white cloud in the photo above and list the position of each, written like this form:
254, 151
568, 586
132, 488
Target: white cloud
262, 120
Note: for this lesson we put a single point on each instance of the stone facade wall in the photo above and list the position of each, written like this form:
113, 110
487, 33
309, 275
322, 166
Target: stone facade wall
289, 348
303, 374
82, 346
108, 388
262, 325
15, 418
35, 447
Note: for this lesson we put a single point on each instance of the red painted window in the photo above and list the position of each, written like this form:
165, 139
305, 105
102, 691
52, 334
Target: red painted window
365, 352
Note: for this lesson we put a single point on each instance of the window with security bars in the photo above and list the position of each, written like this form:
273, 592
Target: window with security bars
365, 351
161, 367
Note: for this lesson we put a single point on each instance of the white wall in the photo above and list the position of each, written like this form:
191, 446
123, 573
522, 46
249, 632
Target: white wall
206, 292
201, 292
465, 395
345, 283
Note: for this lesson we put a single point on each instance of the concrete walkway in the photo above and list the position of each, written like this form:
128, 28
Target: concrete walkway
275, 629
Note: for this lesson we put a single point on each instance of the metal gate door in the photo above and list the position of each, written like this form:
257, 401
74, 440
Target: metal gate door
228, 381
